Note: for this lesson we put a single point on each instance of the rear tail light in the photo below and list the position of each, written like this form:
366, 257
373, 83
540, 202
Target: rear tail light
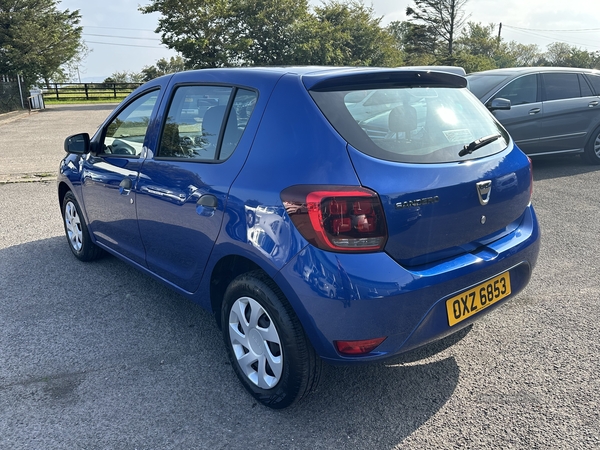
355, 348
337, 218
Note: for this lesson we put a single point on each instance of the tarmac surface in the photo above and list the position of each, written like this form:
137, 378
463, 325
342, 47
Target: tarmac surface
100, 356
31, 144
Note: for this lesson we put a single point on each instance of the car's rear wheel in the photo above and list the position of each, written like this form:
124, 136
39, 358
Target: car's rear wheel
592, 149
76, 230
268, 348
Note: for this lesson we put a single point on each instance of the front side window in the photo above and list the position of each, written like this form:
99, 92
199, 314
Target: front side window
420, 125
521, 91
204, 123
126, 133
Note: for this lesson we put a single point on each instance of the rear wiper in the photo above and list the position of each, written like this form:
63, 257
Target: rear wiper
468, 149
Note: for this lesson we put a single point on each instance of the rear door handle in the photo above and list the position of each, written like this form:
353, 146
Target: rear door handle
208, 201
207, 205
593, 103
125, 186
534, 111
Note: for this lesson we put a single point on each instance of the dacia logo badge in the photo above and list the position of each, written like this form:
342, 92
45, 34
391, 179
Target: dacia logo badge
484, 189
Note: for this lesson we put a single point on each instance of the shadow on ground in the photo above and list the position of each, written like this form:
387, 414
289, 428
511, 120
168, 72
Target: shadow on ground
99, 355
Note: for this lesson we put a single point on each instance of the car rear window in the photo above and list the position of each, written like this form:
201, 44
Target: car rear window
412, 124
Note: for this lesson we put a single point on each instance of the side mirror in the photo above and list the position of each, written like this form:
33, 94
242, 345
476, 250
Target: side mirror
78, 143
499, 104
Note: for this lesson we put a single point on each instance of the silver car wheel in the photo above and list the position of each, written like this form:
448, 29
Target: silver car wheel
597, 145
255, 343
73, 226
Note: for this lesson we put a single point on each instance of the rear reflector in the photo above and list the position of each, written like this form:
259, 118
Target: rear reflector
337, 218
355, 348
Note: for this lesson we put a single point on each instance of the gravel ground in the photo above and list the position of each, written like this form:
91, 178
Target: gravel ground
97, 355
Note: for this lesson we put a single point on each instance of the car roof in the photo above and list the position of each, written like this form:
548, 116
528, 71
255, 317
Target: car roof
524, 70
319, 75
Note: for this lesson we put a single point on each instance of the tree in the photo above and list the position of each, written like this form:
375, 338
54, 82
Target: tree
218, 33
269, 30
346, 33
36, 38
124, 77
201, 30
163, 67
444, 19
561, 54
417, 43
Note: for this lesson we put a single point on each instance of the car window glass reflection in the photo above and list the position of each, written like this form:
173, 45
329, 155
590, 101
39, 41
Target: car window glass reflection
559, 86
126, 133
521, 91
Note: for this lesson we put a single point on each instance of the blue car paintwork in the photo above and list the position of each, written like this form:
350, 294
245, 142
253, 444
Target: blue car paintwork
159, 227
378, 297
429, 232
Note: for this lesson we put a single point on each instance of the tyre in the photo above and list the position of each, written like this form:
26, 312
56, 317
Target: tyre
268, 348
592, 149
77, 232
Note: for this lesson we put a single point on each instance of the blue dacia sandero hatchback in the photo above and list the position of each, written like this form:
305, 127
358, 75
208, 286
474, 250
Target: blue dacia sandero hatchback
322, 214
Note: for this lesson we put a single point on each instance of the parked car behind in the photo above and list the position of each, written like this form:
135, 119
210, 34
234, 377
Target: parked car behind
264, 196
547, 110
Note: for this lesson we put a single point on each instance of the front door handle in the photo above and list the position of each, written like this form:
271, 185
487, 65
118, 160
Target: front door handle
592, 104
125, 186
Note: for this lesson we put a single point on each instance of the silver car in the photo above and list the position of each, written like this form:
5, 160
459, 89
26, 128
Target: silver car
547, 110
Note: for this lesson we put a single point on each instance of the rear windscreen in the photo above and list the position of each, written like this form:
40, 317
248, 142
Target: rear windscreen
418, 124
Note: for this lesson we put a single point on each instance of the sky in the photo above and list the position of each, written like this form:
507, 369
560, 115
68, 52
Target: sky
122, 39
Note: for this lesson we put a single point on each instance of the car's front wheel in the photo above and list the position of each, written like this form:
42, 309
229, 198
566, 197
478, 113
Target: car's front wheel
592, 149
76, 230
268, 348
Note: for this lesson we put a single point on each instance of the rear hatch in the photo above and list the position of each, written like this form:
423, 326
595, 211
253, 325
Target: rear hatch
449, 178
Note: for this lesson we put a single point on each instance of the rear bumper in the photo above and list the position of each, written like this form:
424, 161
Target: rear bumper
356, 297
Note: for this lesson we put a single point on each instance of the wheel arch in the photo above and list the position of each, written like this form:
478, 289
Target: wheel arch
63, 188
224, 272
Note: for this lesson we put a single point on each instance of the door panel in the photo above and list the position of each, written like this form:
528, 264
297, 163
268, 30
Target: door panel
570, 112
110, 174
523, 120
183, 187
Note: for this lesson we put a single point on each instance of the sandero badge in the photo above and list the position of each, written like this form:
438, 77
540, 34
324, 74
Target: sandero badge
323, 215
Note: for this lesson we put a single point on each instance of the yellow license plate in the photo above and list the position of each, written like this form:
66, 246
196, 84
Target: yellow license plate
480, 297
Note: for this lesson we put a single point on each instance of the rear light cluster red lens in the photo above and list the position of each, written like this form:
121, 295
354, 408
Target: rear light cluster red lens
355, 348
337, 218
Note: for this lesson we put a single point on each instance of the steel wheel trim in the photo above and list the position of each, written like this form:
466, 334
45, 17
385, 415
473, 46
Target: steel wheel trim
255, 343
73, 225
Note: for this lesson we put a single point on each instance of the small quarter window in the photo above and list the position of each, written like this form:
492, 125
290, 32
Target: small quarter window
595, 81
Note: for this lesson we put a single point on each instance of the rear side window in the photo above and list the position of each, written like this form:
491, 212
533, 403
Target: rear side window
418, 125
205, 123
558, 86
